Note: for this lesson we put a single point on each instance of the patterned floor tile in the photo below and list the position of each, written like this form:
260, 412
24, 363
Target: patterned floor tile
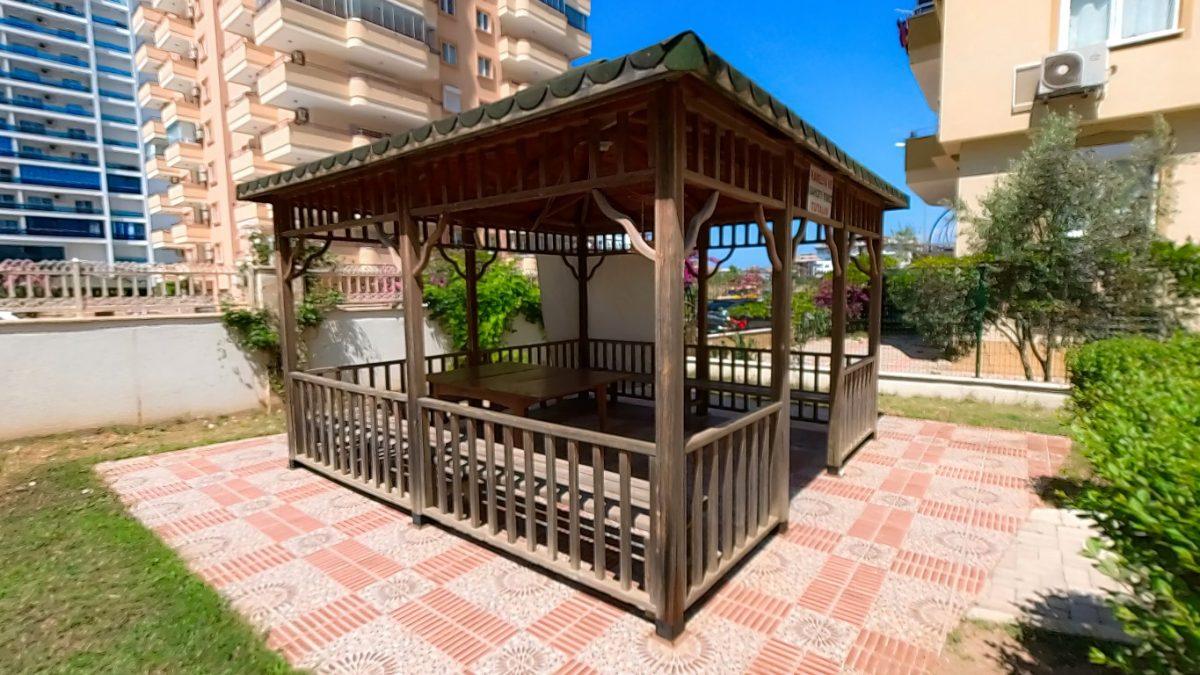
874, 569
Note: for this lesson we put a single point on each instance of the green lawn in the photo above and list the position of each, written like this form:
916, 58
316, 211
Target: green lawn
976, 413
85, 588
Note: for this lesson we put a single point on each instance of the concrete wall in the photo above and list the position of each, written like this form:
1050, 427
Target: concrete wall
61, 375
65, 374
620, 299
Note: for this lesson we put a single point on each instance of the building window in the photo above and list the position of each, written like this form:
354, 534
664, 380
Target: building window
483, 21
451, 99
447, 6
484, 67
449, 53
1092, 22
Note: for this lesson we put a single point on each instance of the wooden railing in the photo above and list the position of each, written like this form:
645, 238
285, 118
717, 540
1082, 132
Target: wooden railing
739, 378
575, 501
353, 433
730, 478
572, 500
76, 288
856, 408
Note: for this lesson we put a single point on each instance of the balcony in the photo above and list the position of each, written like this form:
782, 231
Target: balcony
154, 97
145, 20
156, 168
148, 58
190, 234
243, 62
294, 144
247, 116
237, 17
333, 99
154, 131
180, 110
184, 155
372, 33
925, 50
252, 217
157, 206
249, 164
175, 35
178, 75
529, 61
553, 23
186, 193
177, 7
930, 170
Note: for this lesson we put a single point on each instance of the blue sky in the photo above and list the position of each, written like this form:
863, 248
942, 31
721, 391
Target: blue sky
838, 64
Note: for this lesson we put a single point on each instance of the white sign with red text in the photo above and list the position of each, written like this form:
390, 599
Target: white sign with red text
820, 192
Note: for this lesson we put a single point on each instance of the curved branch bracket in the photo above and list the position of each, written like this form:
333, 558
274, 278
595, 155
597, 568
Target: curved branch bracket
760, 219
294, 272
635, 237
692, 234
430, 244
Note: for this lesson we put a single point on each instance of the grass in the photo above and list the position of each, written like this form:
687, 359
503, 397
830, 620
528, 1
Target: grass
85, 588
979, 647
976, 413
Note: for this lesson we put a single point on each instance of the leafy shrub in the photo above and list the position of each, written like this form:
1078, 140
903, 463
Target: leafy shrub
808, 320
257, 330
857, 299
936, 297
503, 293
755, 309
1136, 407
1181, 263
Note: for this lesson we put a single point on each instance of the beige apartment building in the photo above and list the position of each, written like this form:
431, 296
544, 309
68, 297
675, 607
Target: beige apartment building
237, 89
980, 67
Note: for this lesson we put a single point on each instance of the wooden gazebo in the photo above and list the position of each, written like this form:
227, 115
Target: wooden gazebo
659, 153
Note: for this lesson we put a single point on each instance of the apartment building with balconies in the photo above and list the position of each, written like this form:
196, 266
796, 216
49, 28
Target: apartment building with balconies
71, 182
238, 89
979, 66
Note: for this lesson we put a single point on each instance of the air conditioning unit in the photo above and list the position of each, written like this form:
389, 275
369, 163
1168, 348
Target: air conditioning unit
1075, 71
298, 57
301, 116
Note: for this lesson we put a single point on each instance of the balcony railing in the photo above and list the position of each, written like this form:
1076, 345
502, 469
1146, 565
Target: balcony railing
41, 130
24, 50
39, 104
54, 208
124, 49
53, 7
113, 71
38, 28
26, 154
575, 18
378, 12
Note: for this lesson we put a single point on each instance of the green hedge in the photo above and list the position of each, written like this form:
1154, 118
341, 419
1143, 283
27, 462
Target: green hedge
1136, 408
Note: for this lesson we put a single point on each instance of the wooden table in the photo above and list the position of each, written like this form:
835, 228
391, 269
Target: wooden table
517, 386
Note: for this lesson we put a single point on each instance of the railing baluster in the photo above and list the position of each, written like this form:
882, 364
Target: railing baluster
573, 502
599, 509
489, 442
510, 489
439, 454
455, 473
626, 522
528, 449
472, 470
551, 497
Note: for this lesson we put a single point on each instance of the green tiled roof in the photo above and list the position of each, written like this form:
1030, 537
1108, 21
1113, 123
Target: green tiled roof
683, 53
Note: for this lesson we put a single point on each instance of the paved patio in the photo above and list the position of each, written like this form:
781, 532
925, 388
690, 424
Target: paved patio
877, 566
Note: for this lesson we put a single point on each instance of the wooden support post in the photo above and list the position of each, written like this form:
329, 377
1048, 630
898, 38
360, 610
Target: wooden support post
837, 361
409, 244
288, 356
702, 354
471, 274
668, 514
781, 349
875, 319
581, 264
